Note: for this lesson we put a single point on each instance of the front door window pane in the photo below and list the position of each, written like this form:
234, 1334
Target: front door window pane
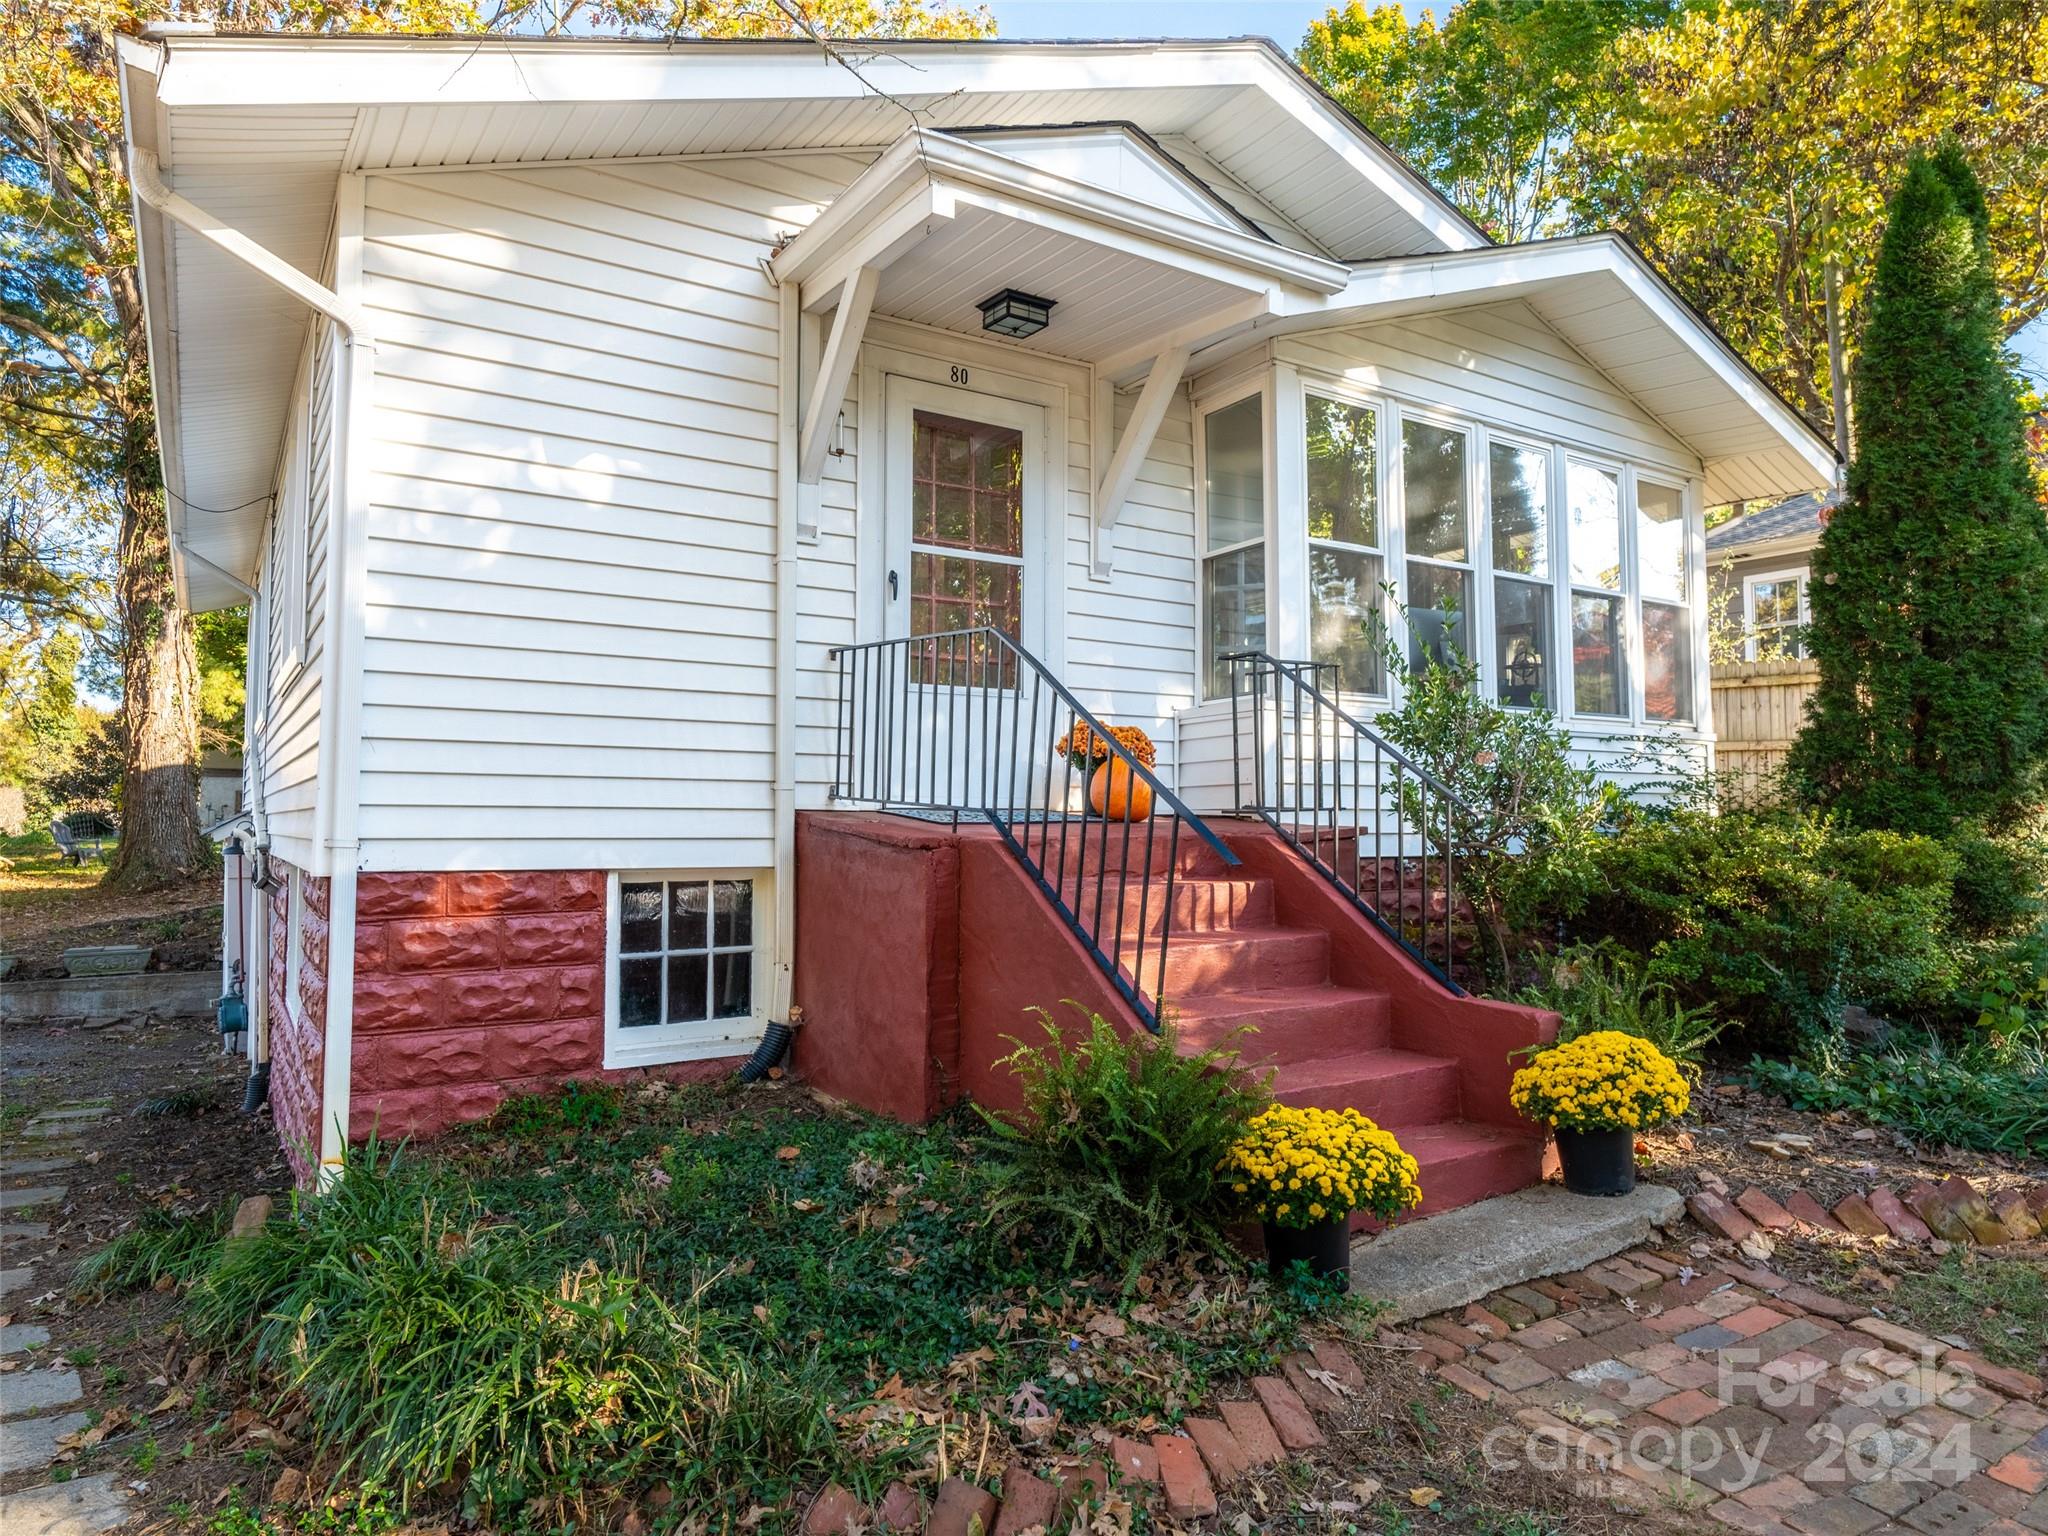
1660, 540
1521, 638
1667, 662
1518, 481
1344, 607
1439, 609
1433, 489
1234, 462
1596, 655
1234, 593
1343, 473
1595, 506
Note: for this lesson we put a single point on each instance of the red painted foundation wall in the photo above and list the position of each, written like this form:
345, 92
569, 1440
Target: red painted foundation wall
921, 952
298, 1035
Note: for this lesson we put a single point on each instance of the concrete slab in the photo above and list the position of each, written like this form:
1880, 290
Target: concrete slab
167, 994
16, 1337
1445, 1261
17, 1279
85, 1506
26, 1392
22, 1231
30, 1443
22, 1199
73, 1114
23, 1167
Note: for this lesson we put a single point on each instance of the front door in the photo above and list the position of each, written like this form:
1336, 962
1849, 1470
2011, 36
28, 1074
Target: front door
965, 509
964, 499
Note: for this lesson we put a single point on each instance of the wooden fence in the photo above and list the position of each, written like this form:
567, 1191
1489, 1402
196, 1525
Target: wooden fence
1758, 708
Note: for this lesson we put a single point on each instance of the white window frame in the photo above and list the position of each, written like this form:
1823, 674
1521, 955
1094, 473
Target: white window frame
1259, 383
1686, 601
698, 1039
1448, 421
1631, 710
1383, 411
1803, 574
1556, 582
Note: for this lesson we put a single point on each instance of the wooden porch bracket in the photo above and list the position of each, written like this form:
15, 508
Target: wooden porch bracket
1121, 473
835, 370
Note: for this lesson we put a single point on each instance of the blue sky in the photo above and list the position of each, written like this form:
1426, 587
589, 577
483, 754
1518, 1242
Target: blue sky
1286, 22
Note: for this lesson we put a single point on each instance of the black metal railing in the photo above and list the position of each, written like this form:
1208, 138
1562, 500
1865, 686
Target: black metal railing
1378, 825
965, 723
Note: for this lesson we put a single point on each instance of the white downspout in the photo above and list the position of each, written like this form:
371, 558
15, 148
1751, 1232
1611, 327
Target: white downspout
338, 690
787, 426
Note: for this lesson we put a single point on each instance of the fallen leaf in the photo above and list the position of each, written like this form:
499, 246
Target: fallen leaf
1108, 1325
1367, 1489
1423, 1497
789, 1154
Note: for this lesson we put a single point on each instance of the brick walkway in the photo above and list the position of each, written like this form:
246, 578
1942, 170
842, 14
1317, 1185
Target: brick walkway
1767, 1405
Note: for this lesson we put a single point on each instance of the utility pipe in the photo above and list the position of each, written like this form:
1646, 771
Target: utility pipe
338, 818
788, 426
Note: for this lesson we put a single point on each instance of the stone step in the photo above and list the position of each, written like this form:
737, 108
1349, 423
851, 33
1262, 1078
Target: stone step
1399, 1089
1461, 1161
1286, 1024
85, 1506
1198, 904
1241, 960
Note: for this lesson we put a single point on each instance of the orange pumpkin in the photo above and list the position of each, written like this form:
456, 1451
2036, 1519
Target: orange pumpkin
1119, 795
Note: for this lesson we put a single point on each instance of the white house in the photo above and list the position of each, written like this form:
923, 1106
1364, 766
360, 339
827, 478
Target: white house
570, 407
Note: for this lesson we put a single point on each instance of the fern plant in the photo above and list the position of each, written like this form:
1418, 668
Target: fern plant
1601, 986
1117, 1157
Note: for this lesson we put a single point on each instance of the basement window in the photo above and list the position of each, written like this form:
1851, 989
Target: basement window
684, 977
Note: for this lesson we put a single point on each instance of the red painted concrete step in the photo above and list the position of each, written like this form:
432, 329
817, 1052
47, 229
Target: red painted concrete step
1238, 960
1399, 1089
1198, 904
1461, 1161
1287, 1024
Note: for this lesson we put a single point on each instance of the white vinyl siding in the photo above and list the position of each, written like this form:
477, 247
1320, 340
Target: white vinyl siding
293, 582
569, 659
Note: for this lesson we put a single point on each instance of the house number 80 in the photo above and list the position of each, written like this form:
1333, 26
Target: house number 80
959, 374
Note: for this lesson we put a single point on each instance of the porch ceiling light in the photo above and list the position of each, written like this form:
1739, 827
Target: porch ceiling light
1015, 314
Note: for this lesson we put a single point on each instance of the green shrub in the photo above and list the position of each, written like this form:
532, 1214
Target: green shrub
160, 1244
1521, 802
1772, 921
1115, 1161
432, 1343
1988, 1093
2001, 881
1601, 986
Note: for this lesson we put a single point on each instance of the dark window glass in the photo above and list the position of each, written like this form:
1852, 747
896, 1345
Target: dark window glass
687, 977
1344, 608
1439, 616
1433, 487
689, 910
732, 986
1667, 662
640, 992
732, 906
639, 918
1521, 635
1596, 655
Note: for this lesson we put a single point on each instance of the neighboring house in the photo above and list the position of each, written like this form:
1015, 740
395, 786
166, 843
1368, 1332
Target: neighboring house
599, 424
220, 786
1757, 571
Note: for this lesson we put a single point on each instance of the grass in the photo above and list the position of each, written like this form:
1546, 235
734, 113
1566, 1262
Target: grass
719, 1291
2000, 1304
1989, 1094
159, 1244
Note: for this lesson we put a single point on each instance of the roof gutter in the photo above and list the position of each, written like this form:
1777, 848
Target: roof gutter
338, 744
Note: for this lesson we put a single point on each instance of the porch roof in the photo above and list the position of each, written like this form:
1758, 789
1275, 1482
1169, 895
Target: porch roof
944, 223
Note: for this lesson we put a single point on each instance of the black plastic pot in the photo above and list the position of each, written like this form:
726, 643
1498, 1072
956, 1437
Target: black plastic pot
1325, 1247
1598, 1162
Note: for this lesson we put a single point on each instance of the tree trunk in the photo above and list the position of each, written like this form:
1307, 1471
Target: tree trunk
161, 843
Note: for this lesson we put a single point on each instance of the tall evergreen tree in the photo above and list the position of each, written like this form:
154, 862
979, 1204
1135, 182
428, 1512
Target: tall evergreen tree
1930, 592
